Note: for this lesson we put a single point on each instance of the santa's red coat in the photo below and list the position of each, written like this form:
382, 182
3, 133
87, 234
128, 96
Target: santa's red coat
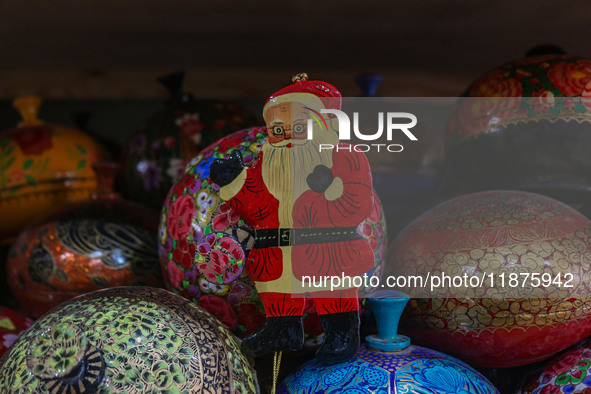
311, 210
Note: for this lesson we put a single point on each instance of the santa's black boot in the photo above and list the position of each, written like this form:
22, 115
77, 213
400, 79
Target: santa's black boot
341, 337
278, 334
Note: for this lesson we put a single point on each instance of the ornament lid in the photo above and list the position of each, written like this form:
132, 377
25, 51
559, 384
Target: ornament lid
106, 172
173, 82
58, 352
387, 307
28, 107
368, 83
545, 49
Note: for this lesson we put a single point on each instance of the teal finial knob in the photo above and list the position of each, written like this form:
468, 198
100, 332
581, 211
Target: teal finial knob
387, 307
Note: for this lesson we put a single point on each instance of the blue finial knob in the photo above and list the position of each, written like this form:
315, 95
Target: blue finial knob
369, 84
387, 307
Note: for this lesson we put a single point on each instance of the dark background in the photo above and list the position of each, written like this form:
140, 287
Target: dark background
246, 49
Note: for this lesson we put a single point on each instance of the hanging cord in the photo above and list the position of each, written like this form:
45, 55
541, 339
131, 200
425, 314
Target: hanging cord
276, 365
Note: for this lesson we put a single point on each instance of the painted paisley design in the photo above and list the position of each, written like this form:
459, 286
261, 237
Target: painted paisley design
117, 245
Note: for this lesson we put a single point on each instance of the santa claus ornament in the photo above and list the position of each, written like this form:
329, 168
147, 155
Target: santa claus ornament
305, 204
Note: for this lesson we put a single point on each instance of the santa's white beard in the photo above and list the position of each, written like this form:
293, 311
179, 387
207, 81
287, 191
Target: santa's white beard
285, 170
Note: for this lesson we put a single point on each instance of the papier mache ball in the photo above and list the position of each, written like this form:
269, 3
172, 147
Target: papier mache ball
204, 244
42, 165
126, 339
158, 151
568, 372
515, 237
388, 363
525, 126
104, 241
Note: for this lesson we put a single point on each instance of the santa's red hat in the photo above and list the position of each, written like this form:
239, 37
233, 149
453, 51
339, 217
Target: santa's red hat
328, 94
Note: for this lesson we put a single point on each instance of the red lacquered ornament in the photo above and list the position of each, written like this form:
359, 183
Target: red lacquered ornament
525, 125
503, 233
84, 246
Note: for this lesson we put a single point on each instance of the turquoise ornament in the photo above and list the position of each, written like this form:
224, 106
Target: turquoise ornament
409, 369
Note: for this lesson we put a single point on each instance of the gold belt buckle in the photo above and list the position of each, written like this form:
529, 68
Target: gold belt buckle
284, 237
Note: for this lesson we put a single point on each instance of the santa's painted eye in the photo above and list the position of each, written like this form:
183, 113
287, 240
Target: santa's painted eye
278, 130
299, 129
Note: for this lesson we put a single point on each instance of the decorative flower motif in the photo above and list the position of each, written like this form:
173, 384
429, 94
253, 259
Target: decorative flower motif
150, 173
194, 186
169, 142
564, 362
202, 167
572, 79
542, 100
138, 143
162, 230
33, 140
63, 359
474, 115
225, 218
376, 211
8, 340
184, 253
220, 309
219, 124
250, 317
551, 389
442, 380
175, 274
256, 148
180, 217
191, 126
215, 288
227, 143
183, 183
225, 259
242, 289
207, 204
175, 168
193, 291
16, 176
496, 84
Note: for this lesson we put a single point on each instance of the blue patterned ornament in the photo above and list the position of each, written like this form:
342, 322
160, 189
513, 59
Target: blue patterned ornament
410, 369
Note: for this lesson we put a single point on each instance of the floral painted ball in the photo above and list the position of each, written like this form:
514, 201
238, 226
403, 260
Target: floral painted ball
126, 339
567, 373
525, 126
156, 154
203, 243
41, 166
534, 254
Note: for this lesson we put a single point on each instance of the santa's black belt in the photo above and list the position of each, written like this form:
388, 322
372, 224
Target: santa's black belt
273, 237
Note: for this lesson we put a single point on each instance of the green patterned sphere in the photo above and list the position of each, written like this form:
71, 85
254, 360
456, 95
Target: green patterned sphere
126, 339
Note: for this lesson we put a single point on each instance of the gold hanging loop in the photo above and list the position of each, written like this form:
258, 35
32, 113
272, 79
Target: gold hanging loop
276, 366
299, 77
